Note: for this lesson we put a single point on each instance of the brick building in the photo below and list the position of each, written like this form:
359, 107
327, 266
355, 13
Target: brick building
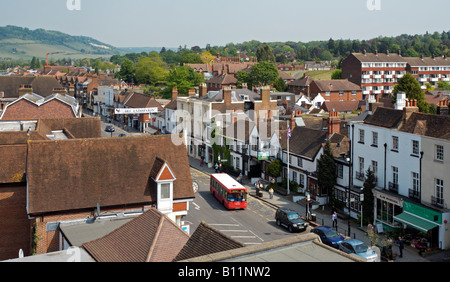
340, 90
113, 174
377, 73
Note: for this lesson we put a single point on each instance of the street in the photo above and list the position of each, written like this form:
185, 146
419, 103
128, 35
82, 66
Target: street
254, 225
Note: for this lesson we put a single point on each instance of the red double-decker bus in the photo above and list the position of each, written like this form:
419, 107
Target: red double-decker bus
228, 191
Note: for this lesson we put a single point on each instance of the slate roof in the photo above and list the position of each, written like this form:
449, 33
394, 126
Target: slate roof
79, 173
427, 61
150, 237
379, 57
304, 141
206, 240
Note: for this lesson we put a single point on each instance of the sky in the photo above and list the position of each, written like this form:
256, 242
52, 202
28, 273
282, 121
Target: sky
171, 23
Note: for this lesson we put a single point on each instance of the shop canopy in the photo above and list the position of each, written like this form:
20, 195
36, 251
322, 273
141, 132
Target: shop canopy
415, 221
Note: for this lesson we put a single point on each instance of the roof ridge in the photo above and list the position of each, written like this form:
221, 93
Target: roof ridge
155, 239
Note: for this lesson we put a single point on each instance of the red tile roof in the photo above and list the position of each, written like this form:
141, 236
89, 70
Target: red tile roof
79, 173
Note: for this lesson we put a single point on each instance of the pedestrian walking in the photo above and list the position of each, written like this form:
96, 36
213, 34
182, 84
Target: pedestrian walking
334, 219
216, 167
271, 192
202, 160
401, 245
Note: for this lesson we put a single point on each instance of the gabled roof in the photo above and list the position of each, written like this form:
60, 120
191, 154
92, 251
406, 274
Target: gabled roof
303, 81
108, 171
161, 171
304, 141
437, 126
224, 79
150, 237
42, 85
336, 85
140, 100
379, 57
340, 106
206, 240
385, 117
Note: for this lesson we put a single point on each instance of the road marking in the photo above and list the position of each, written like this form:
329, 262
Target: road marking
224, 224
243, 237
197, 207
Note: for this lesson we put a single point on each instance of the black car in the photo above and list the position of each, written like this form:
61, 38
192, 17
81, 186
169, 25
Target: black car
110, 128
290, 219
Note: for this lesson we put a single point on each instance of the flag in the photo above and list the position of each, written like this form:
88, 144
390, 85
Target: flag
289, 132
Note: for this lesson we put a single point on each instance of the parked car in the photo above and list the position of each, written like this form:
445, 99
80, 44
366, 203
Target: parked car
290, 219
328, 235
355, 246
110, 128
122, 135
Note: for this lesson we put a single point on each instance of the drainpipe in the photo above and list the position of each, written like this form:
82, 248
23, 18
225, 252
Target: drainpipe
420, 176
385, 150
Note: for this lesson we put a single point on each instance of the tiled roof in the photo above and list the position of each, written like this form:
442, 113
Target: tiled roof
206, 240
336, 85
223, 79
379, 57
108, 171
340, 106
437, 126
41, 85
385, 117
150, 237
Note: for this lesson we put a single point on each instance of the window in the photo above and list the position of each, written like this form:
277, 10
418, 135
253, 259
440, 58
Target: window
375, 169
340, 171
374, 138
395, 143
361, 165
439, 153
439, 190
415, 147
299, 162
165, 191
395, 175
361, 136
415, 182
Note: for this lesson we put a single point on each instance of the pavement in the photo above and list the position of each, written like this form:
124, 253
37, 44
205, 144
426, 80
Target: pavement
323, 217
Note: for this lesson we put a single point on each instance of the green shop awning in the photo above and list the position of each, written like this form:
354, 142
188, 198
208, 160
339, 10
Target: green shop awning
415, 221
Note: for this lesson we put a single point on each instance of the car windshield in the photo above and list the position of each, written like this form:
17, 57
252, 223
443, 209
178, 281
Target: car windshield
360, 248
293, 216
331, 233
237, 197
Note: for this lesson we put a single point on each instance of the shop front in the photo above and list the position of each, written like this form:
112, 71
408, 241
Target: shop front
420, 226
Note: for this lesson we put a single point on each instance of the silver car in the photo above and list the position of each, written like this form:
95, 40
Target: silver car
354, 246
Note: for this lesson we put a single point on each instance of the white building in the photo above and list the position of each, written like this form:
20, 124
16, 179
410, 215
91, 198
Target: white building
406, 151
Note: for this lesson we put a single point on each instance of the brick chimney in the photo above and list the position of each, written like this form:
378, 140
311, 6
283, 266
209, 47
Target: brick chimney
174, 93
24, 89
265, 95
411, 107
442, 108
203, 90
292, 122
334, 123
191, 92
227, 95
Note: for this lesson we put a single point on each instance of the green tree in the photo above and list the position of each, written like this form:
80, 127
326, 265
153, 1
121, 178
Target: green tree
264, 53
150, 71
274, 168
262, 73
411, 87
443, 85
183, 78
326, 171
127, 70
280, 85
337, 74
368, 203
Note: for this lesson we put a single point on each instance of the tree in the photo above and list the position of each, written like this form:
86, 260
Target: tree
411, 87
280, 85
126, 71
443, 85
150, 71
326, 171
368, 203
264, 54
262, 73
274, 168
183, 78
337, 74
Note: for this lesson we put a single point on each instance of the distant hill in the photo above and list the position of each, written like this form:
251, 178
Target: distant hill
17, 43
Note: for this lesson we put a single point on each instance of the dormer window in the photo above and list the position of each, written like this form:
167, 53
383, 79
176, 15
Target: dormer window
163, 177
